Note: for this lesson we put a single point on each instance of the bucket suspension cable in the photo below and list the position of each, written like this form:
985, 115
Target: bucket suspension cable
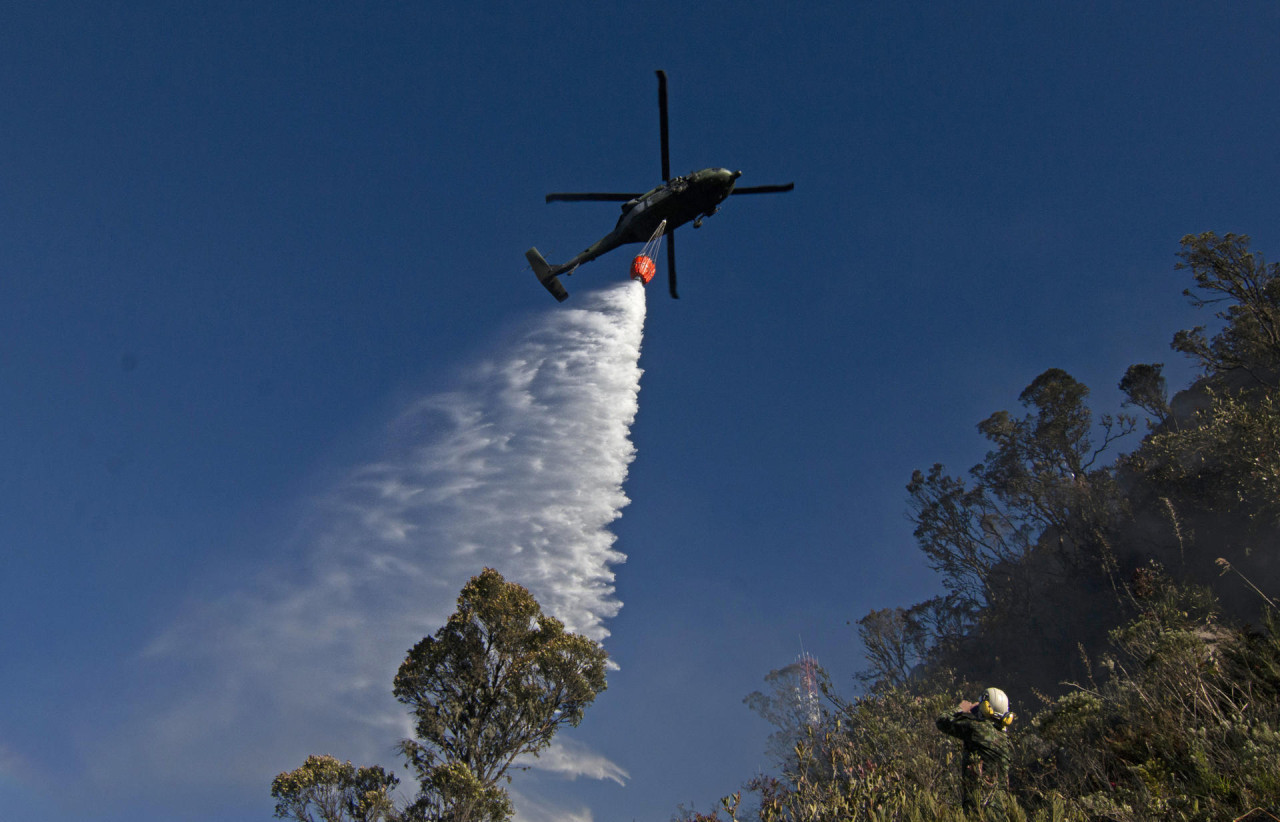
643, 266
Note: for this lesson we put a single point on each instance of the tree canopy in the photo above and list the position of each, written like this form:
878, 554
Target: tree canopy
498, 680
327, 790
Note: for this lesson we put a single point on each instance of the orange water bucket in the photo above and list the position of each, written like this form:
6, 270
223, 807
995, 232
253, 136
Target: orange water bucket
643, 269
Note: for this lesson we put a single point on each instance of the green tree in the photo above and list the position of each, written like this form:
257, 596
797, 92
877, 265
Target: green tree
793, 706
1184, 724
1028, 533
895, 642
1226, 272
1226, 459
326, 790
1144, 386
497, 681
1040, 476
1214, 466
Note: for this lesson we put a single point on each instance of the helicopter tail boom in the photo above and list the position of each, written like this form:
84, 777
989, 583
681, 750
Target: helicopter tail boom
546, 275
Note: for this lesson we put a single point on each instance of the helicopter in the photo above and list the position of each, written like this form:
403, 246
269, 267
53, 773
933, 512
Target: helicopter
678, 200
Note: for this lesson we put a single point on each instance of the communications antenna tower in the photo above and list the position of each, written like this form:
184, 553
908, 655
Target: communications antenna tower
808, 694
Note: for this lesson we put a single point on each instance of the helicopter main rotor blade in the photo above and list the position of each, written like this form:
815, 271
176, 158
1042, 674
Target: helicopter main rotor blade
671, 264
662, 124
590, 196
764, 189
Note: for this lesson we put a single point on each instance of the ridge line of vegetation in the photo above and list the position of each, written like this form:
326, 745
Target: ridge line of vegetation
1098, 594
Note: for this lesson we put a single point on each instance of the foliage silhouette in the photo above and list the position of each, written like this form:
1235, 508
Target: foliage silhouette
1100, 594
497, 681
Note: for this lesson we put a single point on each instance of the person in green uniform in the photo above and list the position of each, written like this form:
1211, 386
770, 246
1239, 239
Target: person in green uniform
983, 728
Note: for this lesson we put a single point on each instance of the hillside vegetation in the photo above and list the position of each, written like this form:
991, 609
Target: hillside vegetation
1123, 600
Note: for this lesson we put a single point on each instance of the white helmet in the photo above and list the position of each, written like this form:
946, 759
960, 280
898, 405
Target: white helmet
994, 703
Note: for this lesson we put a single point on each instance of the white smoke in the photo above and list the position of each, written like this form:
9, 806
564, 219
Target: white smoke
572, 760
520, 467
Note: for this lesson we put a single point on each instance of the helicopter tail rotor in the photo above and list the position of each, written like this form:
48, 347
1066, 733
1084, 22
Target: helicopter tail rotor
546, 275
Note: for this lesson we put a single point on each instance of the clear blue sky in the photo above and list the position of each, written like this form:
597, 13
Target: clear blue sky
238, 240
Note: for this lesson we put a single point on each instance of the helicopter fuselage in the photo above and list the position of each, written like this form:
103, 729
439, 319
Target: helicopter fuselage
678, 201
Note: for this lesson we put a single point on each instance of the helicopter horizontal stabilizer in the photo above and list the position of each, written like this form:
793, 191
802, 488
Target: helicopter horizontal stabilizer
545, 275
